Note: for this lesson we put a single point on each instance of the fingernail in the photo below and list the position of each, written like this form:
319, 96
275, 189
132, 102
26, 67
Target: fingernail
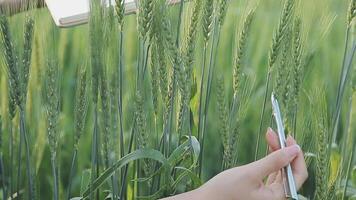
293, 150
270, 130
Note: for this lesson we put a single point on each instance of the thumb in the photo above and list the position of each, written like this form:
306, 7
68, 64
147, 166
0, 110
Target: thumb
274, 161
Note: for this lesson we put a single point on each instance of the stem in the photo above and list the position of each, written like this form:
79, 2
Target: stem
343, 65
94, 150
213, 54
295, 121
122, 147
123, 182
55, 177
71, 172
200, 122
348, 138
19, 165
201, 93
2, 168
28, 165
4, 194
340, 88
348, 173
262, 114
11, 147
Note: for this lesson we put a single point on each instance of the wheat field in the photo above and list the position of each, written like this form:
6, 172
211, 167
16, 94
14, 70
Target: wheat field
152, 104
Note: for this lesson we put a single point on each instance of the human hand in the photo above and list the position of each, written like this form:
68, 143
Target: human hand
247, 182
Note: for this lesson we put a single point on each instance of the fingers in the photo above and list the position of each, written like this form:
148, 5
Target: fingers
272, 140
274, 162
299, 167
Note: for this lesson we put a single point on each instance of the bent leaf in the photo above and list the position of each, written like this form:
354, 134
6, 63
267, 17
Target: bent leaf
136, 155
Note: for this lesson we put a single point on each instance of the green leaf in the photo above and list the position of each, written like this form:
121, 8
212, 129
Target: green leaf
335, 160
136, 155
177, 155
187, 172
189, 144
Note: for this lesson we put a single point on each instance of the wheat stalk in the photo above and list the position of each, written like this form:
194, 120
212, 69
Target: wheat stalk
5, 186
18, 92
345, 70
96, 47
52, 111
81, 108
207, 23
287, 13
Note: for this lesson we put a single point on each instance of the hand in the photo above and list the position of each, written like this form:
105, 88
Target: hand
247, 182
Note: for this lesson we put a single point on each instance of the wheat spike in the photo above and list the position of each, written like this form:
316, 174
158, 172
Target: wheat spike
352, 12
11, 59
154, 79
207, 19
285, 19
145, 17
297, 57
81, 106
105, 106
241, 49
192, 34
223, 118
95, 34
120, 11
141, 121
222, 9
52, 107
26, 59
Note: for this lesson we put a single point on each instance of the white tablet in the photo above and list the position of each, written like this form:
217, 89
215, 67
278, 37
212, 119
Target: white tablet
68, 13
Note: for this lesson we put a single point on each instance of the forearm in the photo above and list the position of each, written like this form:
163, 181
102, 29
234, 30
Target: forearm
11, 7
192, 195
204, 192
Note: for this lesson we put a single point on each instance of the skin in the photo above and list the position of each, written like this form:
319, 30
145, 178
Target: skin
247, 182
